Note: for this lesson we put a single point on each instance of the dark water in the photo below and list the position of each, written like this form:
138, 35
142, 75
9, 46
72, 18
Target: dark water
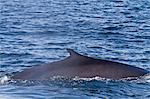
38, 31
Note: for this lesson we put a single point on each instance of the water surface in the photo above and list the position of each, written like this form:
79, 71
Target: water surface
34, 32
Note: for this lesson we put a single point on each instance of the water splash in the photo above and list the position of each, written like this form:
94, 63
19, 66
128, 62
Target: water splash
4, 79
143, 79
91, 78
147, 78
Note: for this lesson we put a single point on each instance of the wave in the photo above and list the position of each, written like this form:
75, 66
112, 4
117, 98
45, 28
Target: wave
7, 79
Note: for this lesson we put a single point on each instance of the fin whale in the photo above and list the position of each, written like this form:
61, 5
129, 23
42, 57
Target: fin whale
77, 65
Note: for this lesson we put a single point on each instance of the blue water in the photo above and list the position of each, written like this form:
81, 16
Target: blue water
34, 32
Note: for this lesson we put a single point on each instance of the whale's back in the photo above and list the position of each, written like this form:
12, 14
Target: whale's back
81, 66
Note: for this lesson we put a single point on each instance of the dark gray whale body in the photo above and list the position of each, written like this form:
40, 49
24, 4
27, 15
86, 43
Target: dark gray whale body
80, 66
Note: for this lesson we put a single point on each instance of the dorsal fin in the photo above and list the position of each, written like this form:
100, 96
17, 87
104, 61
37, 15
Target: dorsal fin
73, 53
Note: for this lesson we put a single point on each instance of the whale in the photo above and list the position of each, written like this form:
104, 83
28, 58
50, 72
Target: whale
77, 65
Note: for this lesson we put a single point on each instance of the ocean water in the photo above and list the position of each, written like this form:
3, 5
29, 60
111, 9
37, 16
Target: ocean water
34, 32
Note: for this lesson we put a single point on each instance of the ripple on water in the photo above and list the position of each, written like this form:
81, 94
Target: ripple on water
35, 31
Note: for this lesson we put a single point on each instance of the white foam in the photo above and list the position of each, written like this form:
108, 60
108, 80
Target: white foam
147, 78
143, 79
92, 78
4, 79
